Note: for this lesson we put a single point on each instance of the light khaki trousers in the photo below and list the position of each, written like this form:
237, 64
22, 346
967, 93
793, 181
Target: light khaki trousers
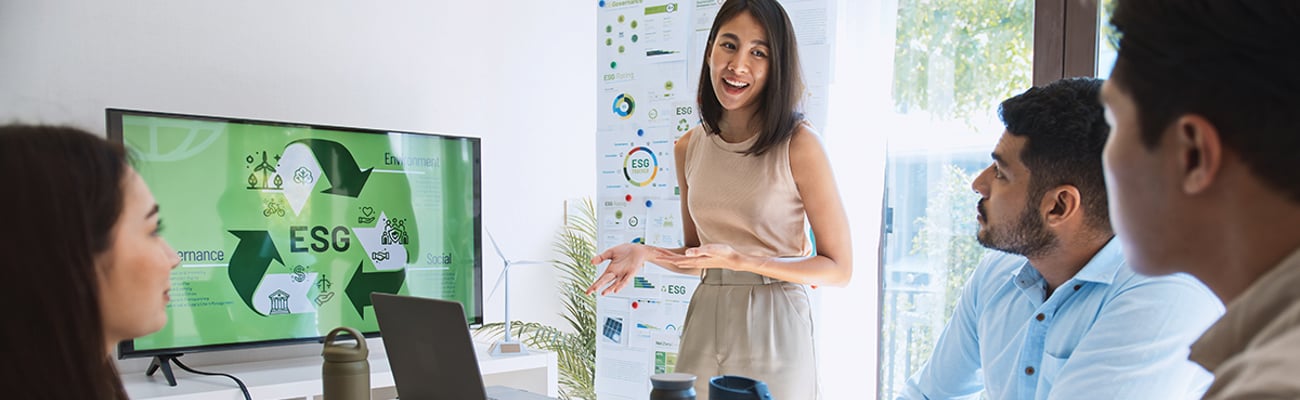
745, 324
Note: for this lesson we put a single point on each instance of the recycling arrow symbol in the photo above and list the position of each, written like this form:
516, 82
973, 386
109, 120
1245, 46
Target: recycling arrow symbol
249, 263
346, 178
364, 283
256, 251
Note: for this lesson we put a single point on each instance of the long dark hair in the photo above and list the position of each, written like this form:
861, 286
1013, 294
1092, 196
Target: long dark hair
64, 195
779, 103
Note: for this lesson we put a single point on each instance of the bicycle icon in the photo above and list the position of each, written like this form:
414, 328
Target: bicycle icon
273, 208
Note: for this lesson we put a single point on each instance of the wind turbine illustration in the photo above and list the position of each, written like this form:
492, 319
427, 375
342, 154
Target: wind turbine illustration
507, 345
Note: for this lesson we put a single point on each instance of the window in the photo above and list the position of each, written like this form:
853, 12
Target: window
1107, 40
954, 62
923, 79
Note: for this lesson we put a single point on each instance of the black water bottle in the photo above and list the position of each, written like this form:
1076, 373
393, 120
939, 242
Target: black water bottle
674, 386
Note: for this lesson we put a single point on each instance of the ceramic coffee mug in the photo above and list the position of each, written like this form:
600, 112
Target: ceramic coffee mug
728, 387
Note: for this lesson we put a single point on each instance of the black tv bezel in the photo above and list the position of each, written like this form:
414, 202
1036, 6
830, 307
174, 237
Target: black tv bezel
113, 116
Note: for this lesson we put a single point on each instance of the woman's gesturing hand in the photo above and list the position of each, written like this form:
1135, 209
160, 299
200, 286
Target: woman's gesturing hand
706, 256
624, 260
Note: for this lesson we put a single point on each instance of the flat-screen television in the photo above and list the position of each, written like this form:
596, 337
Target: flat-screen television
284, 229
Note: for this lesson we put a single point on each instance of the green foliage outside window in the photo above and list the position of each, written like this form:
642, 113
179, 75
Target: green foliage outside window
947, 234
960, 58
1109, 36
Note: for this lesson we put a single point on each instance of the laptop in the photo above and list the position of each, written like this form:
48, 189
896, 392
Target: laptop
430, 351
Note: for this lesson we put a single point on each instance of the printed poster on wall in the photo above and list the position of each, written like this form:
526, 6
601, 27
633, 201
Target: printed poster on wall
649, 56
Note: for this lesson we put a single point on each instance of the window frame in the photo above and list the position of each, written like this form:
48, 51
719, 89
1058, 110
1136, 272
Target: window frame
1065, 45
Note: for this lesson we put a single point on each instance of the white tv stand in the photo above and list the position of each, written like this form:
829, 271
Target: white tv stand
298, 378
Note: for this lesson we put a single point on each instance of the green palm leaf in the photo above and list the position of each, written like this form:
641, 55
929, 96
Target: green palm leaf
574, 348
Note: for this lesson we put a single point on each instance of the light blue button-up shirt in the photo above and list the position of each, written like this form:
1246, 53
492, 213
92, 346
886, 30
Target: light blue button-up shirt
1107, 333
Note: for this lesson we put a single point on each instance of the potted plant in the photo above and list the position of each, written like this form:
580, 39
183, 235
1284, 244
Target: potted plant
575, 347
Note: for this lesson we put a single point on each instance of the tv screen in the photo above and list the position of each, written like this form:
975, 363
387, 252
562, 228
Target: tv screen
284, 229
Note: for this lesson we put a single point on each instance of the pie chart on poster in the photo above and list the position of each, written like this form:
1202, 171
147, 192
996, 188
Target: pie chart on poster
624, 106
640, 166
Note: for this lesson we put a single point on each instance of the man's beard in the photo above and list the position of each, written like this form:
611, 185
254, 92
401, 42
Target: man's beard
1029, 237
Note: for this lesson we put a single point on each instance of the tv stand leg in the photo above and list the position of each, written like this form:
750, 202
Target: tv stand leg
165, 363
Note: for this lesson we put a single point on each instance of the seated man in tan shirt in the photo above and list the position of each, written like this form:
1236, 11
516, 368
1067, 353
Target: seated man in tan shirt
1203, 172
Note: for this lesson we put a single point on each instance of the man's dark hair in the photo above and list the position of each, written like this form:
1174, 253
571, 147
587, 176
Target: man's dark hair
778, 105
1065, 130
1236, 63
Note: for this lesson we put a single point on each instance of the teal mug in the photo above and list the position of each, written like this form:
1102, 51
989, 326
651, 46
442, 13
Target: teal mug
730, 387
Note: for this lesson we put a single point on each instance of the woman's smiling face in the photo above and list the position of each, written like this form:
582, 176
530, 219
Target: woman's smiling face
738, 62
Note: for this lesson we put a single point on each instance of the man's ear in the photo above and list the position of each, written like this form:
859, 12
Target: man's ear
1060, 204
1200, 152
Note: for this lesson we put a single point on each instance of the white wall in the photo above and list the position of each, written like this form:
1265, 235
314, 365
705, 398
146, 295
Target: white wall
518, 74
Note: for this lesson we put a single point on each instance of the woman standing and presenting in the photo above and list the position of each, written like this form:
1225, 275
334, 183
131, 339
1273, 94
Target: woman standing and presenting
753, 177
84, 265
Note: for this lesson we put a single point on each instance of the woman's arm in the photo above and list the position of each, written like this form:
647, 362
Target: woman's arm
626, 259
833, 264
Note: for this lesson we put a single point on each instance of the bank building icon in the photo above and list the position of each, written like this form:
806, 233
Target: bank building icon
279, 302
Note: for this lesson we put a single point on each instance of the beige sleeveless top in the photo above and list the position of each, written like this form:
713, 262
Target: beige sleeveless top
748, 202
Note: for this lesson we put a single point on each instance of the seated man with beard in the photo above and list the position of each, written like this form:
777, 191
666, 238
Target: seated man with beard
1056, 312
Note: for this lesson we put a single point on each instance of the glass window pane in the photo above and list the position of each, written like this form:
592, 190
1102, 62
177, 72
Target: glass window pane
1107, 40
954, 62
